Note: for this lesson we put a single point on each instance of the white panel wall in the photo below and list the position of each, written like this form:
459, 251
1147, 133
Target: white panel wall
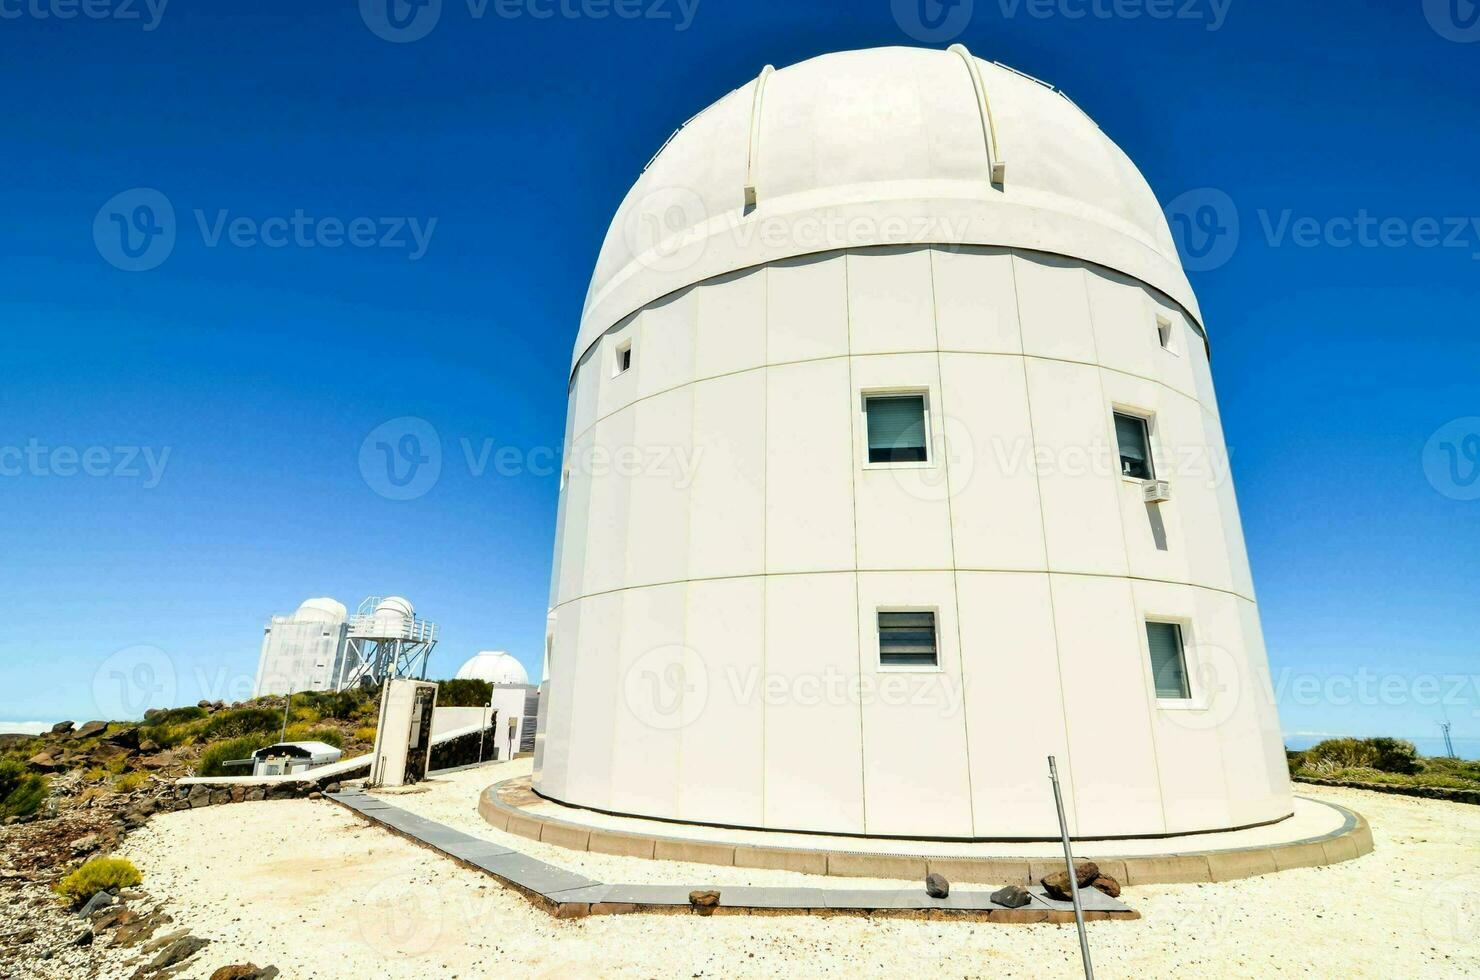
807, 308
903, 511
1014, 704
914, 726
809, 467
813, 745
890, 301
744, 524
721, 775
996, 516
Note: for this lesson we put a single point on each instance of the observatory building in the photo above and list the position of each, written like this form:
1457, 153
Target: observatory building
893, 467
320, 647
513, 695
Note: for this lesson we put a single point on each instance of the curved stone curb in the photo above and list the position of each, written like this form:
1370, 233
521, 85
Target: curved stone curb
567, 895
502, 806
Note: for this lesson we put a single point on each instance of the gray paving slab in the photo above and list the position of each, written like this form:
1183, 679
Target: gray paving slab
473, 851
537, 876
1090, 899
587, 893
652, 894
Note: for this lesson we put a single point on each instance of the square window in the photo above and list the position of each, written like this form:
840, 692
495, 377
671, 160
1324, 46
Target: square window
907, 639
1164, 333
1168, 661
1134, 440
624, 358
896, 428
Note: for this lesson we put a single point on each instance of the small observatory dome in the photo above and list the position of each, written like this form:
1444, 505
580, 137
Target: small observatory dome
395, 606
495, 666
321, 610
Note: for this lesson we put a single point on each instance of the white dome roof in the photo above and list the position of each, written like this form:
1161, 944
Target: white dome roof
494, 666
394, 606
886, 146
321, 610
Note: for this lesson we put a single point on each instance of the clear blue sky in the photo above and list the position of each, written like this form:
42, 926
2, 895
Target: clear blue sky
260, 370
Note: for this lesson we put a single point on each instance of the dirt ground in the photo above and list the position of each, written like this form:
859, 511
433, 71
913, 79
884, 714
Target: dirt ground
310, 888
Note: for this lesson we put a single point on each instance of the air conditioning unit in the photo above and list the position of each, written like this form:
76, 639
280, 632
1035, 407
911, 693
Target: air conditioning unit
1156, 491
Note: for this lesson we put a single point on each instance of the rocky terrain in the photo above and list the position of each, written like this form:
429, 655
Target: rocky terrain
101, 781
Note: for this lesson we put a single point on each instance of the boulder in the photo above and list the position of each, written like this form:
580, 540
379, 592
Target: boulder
1108, 885
238, 793
245, 971
1057, 884
84, 937
148, 746
1012, 897
128, 738
152, 713
91, 729
176, 952
46, 761
199, 796
112, 917
255, 793
220, 795
85, 844
100, 900
704, 899
61, 728
936, 885
203, 705
332, 788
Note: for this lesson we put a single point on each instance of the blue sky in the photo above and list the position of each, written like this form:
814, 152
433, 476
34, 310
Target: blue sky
246, 376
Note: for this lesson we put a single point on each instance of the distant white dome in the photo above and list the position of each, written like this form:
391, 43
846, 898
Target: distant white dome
394, 605
322, 610
494, 666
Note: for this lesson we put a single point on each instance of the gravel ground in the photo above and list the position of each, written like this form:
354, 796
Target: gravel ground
310, 888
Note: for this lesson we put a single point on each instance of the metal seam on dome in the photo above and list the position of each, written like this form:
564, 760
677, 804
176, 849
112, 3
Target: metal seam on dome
752, 161
997, 166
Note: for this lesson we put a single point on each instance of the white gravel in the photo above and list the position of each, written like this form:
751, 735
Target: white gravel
312, 889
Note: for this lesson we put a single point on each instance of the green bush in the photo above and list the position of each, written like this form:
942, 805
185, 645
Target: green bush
338, 704
213, 760
21, 792
178, 716
463, 693
1383, 754
242, 721
99, 874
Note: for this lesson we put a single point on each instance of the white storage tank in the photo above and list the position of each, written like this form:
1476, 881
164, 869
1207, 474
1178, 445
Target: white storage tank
893, 467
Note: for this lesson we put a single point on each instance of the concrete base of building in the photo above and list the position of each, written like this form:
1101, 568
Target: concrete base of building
1318, 833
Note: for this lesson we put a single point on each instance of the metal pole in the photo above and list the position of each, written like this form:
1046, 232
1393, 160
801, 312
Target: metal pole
1058, 802
483, 729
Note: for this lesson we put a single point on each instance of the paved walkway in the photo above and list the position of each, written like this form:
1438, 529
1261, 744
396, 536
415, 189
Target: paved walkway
570, 895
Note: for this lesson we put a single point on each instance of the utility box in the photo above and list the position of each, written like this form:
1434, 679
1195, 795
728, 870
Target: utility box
403, 739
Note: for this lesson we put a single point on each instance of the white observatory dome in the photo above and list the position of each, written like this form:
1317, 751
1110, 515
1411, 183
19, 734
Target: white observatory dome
394, 606
494, 666
885, 146
321, 610
936, 487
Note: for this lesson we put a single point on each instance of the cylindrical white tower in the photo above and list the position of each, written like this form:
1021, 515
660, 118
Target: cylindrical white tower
893, 466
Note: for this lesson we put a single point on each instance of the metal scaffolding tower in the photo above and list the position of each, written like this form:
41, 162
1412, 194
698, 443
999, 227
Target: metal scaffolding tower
385, 639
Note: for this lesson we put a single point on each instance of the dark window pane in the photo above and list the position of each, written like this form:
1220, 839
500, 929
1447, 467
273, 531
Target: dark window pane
1168, 661
1135, 446
896, 428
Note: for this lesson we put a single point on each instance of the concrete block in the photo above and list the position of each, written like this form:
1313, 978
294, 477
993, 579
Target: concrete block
904, 867
981, 871
1231, 865
623, 845
1362, 837
781, 859
1309, 855
525, 826
560, 835
697, 852
1340, 849
1167, 869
